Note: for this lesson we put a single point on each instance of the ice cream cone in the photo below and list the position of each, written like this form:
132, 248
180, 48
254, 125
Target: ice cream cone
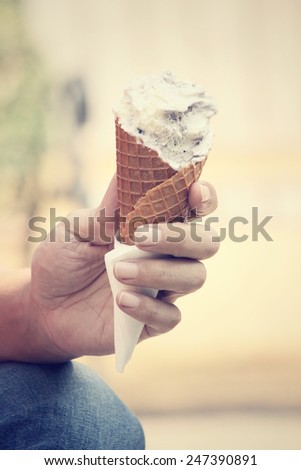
149, 190
162, 130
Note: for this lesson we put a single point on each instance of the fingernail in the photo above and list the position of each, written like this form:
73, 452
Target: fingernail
205, 192
148, 235
128, 299
125, 270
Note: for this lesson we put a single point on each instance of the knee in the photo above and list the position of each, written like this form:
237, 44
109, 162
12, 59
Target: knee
108, 423
63, 406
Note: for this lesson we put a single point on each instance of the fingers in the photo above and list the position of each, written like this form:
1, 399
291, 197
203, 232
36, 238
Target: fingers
180, 275
202, 198
159, 317
98, 225
173, 276
186, 240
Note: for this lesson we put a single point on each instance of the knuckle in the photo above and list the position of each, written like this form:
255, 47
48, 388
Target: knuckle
159, 272
212, 244
175, 318
154, 310
152, 272
199, 276
215, 243
164, 315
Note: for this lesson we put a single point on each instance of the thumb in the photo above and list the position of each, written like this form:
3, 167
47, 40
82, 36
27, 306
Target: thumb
202, 199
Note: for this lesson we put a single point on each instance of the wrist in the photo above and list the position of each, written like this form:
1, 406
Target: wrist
13, 316
22, 335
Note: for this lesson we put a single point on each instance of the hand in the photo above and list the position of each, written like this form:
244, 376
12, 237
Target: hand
69, 303
179, 273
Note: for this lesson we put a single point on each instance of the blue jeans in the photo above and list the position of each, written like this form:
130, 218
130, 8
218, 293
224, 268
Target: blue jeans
62, 406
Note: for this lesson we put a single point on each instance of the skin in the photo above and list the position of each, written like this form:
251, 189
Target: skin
62, 308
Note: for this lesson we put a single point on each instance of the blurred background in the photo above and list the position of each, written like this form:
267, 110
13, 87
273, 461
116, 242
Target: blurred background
229, 376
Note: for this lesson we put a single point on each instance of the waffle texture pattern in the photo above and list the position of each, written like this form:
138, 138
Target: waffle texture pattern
149, 190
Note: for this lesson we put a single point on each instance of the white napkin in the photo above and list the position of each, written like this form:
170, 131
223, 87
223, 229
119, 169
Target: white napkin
127, 330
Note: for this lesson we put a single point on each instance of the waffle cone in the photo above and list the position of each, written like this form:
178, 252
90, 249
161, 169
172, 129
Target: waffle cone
149, 190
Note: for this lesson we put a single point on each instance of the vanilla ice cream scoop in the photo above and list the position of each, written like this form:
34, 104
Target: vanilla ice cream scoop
169, 116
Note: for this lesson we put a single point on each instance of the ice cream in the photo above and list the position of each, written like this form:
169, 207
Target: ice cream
163, 137
169, 116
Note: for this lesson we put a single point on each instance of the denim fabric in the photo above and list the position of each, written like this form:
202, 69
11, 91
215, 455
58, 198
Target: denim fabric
62, 406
